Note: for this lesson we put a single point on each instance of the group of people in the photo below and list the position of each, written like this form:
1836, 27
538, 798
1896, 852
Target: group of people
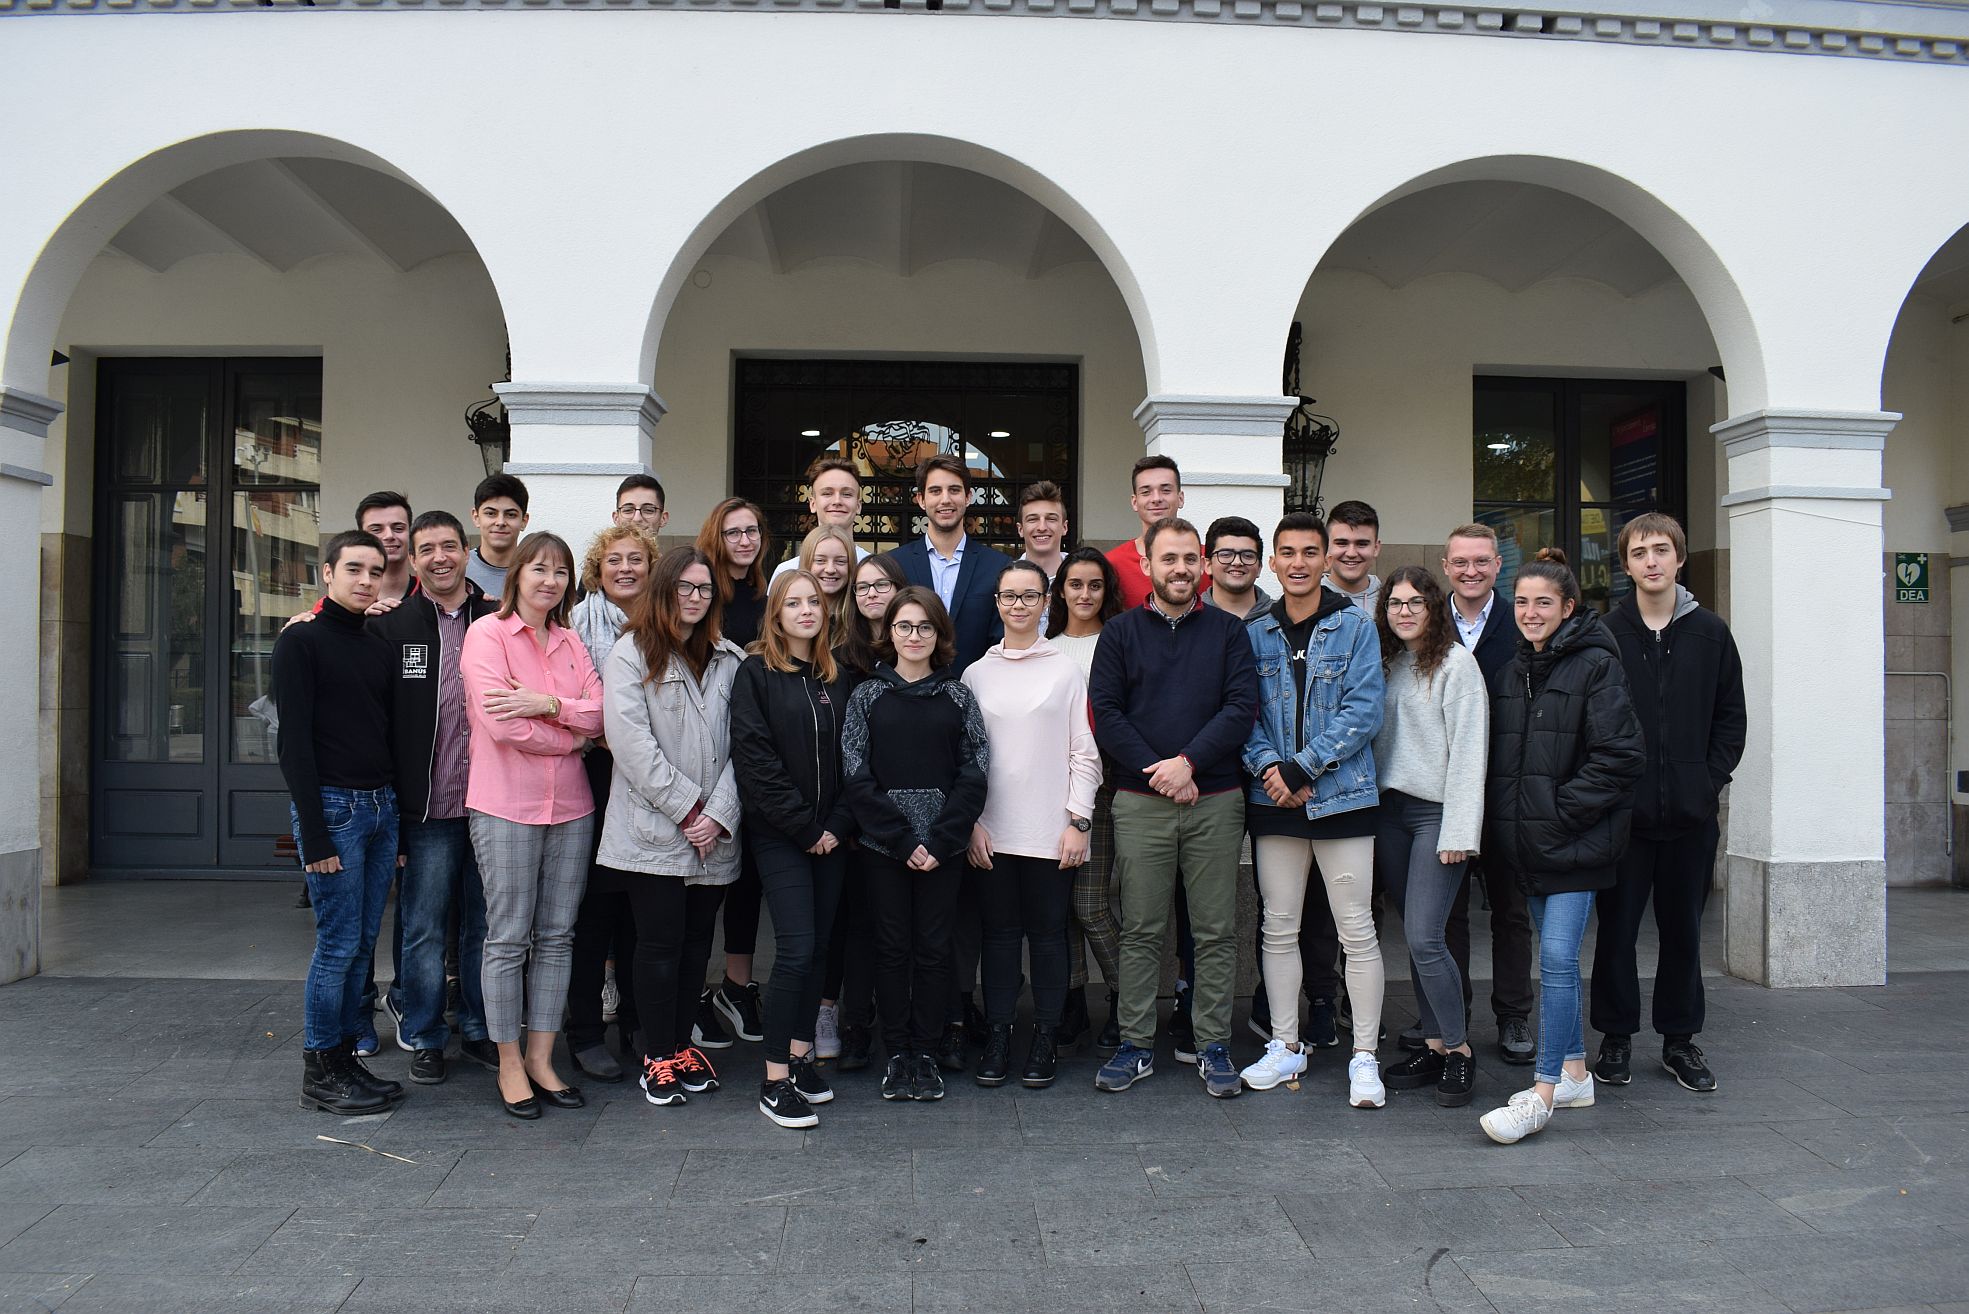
941, 767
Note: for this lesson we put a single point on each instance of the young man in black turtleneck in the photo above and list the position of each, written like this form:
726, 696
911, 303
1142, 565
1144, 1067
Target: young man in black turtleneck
331, 681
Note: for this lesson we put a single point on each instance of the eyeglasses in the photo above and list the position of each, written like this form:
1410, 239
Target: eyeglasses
737, 532
1027, 598
874, 586
1234, 557
640, 510
1414, 606
1470, 563
686, 589
913, 630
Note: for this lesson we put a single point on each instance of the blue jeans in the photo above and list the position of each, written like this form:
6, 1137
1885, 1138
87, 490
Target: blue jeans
348, 908
1405, 847
439, 871
1560, 920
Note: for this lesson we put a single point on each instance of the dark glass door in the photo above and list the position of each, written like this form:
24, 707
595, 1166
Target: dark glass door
208, 529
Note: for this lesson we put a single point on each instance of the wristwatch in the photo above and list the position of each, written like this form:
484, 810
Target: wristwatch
1082, 824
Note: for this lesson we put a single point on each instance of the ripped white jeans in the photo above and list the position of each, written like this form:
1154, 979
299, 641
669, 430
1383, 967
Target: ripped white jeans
1285, 867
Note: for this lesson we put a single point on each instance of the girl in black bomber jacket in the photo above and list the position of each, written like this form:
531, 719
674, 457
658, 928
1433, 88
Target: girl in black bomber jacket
916, 761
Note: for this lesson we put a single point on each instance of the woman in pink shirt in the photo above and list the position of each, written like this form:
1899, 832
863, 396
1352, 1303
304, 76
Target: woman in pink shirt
536, 705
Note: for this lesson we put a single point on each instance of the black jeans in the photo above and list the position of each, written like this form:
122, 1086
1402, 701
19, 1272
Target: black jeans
1511, 941
803, 890
1677, 872
742, 906
605, 928
850, 979
1024, 901
966, 944
674, 922
915, 915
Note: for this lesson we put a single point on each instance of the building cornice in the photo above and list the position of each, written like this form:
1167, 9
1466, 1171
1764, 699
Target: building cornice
1908, 32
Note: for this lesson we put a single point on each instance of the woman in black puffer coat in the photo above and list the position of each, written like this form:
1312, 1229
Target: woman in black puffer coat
1565, 753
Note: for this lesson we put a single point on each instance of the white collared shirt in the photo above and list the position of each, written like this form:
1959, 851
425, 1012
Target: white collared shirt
1469, 631
943, 570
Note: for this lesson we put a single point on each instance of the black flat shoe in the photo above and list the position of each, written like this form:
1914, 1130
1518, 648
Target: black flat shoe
527, 1109
567, 1097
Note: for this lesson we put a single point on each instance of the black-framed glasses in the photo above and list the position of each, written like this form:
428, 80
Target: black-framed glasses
1235, 557
1410, 605
738, 532
874, 586
640, 510
1021, 598
686, 589
913, 630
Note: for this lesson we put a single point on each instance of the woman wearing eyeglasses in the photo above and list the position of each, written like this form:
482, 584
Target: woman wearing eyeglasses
916, 762
1032, 835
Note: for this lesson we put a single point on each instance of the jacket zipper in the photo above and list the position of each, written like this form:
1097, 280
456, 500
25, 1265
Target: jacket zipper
813, 710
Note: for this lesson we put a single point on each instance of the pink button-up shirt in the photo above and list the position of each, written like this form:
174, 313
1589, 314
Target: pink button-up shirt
525, 769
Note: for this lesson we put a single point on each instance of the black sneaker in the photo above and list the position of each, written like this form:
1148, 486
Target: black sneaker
1320, 1031
927, 1083
1615, 1064
707, 1032
660, 1084
899, 1078
1110, 1038
481, 1051
1514, 1042
740, 1006
427, 1067
1682, 1059
995, 1064
806, 1077
782, 1102
1042, 1060
1411, 1038
694, 1071
855, 1043
950, 1052
1458, 1080
1414, 1072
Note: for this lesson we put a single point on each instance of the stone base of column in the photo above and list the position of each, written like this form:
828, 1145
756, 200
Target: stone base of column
1806, 923
20, 914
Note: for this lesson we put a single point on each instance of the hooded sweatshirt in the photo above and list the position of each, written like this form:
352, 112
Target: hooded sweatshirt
1043, 760
916, 763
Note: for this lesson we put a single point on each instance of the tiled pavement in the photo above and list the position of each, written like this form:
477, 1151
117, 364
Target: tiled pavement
153, 1158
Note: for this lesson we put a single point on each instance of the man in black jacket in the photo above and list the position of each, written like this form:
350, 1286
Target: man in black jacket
961, 571
1687, 683
430, 744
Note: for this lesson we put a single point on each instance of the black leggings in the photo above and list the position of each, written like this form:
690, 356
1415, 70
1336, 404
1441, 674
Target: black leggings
1024, 901
604, 928
850, 980
802, 889
674, 922
742, 906
914, 913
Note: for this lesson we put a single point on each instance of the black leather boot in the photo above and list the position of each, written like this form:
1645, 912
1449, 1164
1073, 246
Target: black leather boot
326, 1086
1074, 1022
995, 1064
391, 1091
1110, 1037
1042, 1062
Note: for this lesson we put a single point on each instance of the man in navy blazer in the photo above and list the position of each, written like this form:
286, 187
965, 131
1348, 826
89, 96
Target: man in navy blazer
961, 573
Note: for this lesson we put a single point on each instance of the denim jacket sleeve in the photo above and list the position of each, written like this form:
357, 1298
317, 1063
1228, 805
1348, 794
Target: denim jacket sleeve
1259, 751
1358, 719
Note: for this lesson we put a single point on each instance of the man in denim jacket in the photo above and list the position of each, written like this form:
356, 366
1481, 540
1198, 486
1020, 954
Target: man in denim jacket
1313, 795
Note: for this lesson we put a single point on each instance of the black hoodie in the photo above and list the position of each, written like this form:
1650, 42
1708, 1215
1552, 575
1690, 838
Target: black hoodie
1565, 753
917, 763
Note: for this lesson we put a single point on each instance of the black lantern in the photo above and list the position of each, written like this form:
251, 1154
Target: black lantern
491, 431
1309, 437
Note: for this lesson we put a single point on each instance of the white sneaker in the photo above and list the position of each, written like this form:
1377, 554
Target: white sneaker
1525, 1114
827, 1032
1572, 1094
1364, 1088
1277, 1064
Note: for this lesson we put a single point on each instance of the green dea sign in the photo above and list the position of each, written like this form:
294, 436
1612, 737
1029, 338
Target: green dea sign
1910, 577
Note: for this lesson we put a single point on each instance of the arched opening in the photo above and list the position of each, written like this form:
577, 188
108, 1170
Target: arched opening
254, 331
884, 309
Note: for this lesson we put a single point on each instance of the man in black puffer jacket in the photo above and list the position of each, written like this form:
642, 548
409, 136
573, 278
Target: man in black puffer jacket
1687, 683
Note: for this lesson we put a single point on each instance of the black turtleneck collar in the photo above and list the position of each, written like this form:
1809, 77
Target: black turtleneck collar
334, 611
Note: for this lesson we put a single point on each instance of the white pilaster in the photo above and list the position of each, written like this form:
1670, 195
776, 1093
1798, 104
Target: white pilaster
1807, 896
572, 444
24, 420
1230, 450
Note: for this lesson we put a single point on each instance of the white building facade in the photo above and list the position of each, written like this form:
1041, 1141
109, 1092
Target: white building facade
275, 251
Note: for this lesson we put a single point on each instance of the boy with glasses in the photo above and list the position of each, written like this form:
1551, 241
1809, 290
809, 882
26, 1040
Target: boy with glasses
639, 501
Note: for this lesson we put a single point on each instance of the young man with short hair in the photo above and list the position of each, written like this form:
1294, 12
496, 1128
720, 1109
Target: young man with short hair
833, 498
1155, 492
331, 681
1235, 549
963, 574
639, 501
1353, 546
1687, 682
1043, 531
431, 744
1175, 693
499, 514
1485, 626
386, 516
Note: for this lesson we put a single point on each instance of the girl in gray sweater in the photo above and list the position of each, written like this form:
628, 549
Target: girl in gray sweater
1431, 752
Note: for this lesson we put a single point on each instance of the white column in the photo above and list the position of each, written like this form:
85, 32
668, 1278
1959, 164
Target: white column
24, 420
572, 444
1807, 885
1230, 450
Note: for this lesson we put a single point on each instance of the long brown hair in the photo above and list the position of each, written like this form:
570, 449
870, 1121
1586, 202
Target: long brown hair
656, 622
774, 644
860, 647
532, 547
711, 542
1056, 611
1438, 629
